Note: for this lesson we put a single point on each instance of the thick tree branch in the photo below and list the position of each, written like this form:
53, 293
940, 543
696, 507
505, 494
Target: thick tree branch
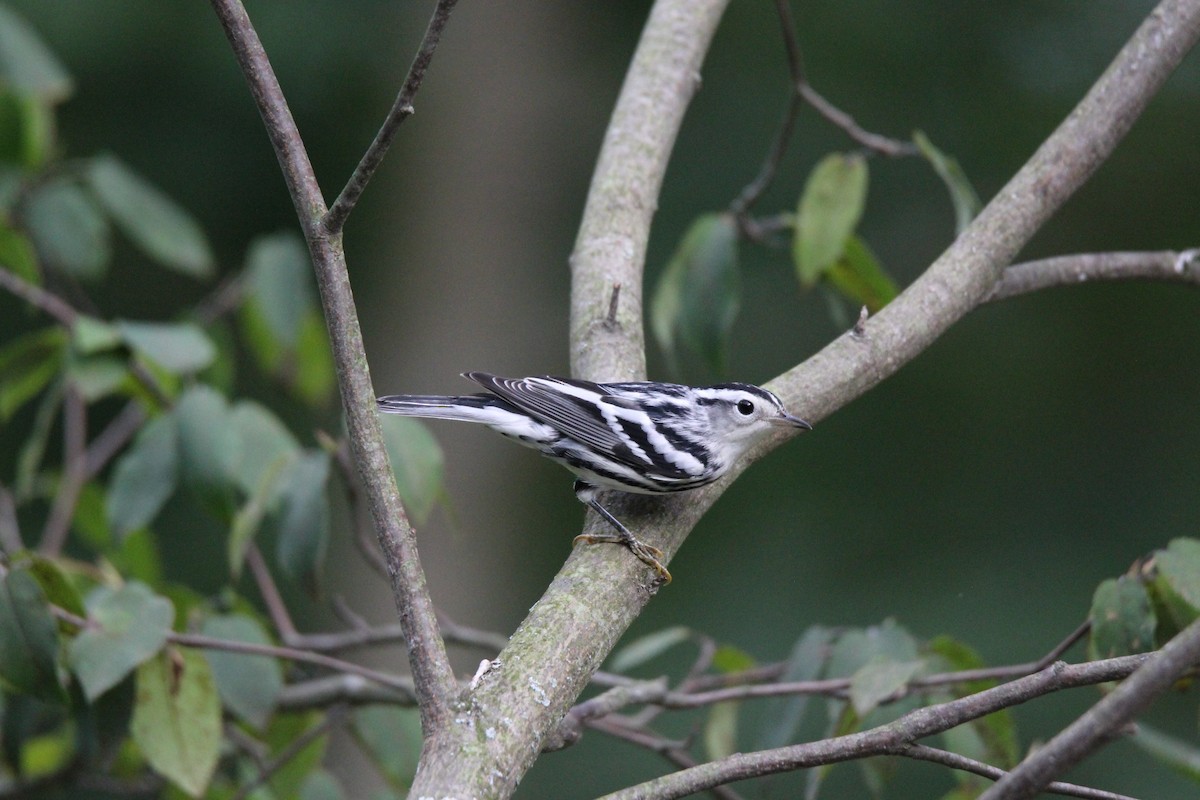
433, 678
1102, 720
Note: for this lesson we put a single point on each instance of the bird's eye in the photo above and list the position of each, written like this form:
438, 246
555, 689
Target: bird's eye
745, 407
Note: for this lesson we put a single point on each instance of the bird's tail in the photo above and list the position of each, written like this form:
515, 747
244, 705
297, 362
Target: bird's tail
466, 408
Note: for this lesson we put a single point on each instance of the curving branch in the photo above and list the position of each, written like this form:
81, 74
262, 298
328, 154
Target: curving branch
894, 738
432, 675
1074, 270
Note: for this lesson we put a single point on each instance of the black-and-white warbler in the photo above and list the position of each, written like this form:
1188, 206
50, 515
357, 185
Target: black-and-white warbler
641, 437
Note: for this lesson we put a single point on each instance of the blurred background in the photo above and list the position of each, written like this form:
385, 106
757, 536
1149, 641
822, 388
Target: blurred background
1038, 448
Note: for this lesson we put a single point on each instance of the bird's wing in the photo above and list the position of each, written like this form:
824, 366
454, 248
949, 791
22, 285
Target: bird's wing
575, 412
588, 413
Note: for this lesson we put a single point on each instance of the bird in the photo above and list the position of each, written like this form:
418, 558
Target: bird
642, 437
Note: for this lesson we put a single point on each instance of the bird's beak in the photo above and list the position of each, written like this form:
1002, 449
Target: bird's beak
796, 422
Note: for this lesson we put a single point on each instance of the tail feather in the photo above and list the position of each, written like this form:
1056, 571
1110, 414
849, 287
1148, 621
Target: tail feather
467, 408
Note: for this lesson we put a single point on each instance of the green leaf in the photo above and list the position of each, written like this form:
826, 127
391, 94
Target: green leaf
304, 519
90, 335
877, 680
321, 785
209, 447
828, 213
283, 731
1181, 756
1122, 618
784, 715
1176, 585
131, 625
151, 220
859, 276
145, 477
696, 301
266, 442
281, 283
177, 718
17, 254
56, 585
68, 231
27, 365
728, 659
249, 685
417, 461
315, 381
27, 64
720, 730
391, 736
28, 637
180, 347
249, 517
26, 129
647, 647
962, 194
992, 738
97, 377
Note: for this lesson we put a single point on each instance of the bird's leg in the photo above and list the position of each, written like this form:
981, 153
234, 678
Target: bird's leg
648, 554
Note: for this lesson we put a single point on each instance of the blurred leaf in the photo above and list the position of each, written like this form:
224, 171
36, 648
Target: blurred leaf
27, 64
90, 522
177, 718
249, 517
151, 220
181, 347
136, 558
859, 276
249, 685
90, 335
209, 447
56, 585
696, 300
145, 476
417, 461
647, 647
784, 715
1176, 585
265, 442
28, 638
392, 737
720, 730
728, 658
281, 283
131, 625
285, 729
68, 231
26, 129
97, 377
877, 680
1122, 618
304, 519
27, 364
828, 213
962, 194
315, 381
17, 254
1180, 756
321, 785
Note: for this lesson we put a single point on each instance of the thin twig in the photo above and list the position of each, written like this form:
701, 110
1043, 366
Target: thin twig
671, 750
341, 688
74, 473
38, 297
10, 528
116, 434
934, 755
333, 719
402, 109
276, 609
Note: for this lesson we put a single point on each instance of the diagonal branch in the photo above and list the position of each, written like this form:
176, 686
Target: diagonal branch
402, 109
432, 675
1098, 724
